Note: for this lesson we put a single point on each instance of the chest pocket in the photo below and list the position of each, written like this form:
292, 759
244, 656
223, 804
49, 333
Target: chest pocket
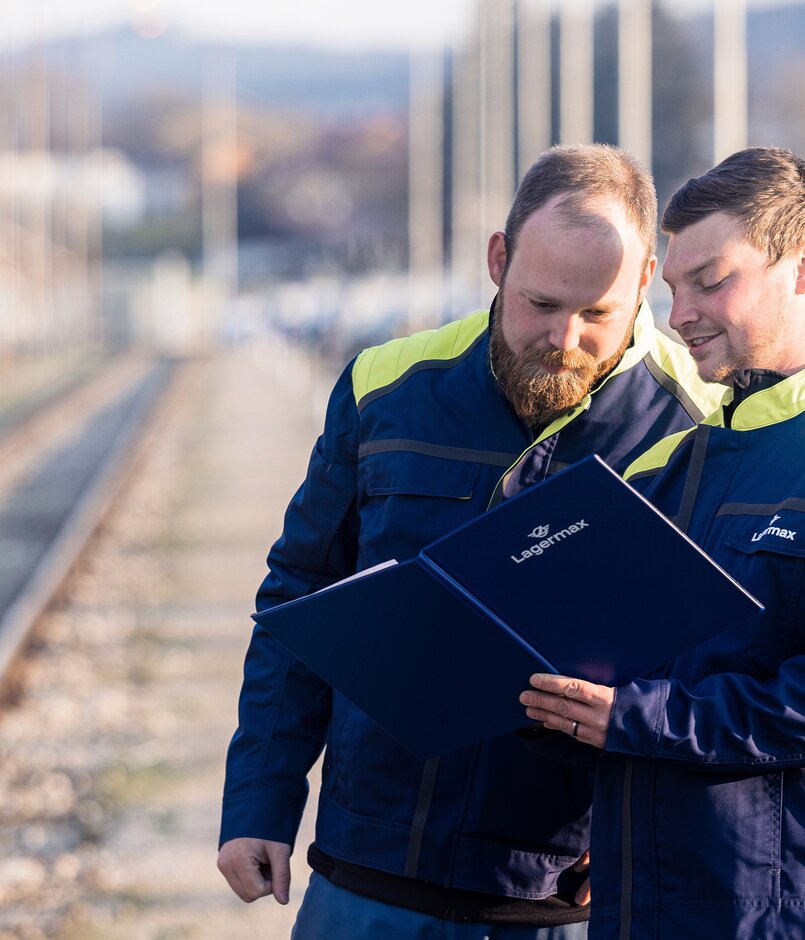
407, 500
768, 559
403, 473
781, 533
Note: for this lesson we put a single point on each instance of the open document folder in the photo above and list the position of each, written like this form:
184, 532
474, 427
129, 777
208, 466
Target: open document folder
578, 575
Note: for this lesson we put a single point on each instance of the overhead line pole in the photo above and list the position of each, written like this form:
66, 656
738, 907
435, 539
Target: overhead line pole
635, 78
730, 92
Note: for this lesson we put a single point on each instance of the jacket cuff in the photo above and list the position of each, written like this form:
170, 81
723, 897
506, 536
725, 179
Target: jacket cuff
638, 717
252, 816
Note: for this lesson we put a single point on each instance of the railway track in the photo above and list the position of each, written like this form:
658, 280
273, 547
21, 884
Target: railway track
61, 471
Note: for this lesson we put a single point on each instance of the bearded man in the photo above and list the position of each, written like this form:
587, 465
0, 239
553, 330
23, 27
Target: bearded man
418, 432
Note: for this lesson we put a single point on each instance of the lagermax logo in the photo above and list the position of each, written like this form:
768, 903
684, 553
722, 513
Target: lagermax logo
540, 532
547, 541
772, 529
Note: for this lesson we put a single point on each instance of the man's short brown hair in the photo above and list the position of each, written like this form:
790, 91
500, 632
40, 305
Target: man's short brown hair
586, 172
764, 187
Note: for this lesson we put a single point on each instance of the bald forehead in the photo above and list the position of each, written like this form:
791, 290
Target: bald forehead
599, 214
596, 225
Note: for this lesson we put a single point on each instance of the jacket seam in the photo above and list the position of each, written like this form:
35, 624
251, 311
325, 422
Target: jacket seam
674, 387
265, 744
439, 451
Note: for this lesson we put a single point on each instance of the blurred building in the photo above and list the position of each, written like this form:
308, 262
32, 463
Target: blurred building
680, 91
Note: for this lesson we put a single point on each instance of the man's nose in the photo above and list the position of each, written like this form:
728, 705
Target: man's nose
565, 332
683, 311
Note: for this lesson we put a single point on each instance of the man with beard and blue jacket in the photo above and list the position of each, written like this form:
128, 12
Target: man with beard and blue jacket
700, 788
482, 841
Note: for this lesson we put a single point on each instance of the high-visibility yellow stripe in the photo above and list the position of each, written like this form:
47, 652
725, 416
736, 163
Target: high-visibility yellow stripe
380, 366
675, 360
656, 457
772, 405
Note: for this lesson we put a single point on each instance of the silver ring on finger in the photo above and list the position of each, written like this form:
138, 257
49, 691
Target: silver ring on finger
574, 730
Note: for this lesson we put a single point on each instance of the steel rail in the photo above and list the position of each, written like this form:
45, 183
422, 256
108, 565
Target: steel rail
47, 519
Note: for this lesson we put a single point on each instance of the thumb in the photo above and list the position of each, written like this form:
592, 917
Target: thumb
279, 858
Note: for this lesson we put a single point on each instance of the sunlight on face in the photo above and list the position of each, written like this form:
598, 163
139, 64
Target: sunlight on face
730, 307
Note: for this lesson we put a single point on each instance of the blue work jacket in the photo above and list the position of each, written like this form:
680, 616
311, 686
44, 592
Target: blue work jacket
700, 791
416, 438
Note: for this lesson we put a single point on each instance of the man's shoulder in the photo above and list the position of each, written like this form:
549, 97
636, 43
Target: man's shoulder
379, 368
656, 458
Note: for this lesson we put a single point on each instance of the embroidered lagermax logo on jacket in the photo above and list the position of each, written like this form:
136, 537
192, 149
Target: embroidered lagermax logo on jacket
772, 529
545, 543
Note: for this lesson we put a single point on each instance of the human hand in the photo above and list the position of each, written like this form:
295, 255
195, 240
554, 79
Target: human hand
578, 708
583, 864
256, 868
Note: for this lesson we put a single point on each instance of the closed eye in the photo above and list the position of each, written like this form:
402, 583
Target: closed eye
711, 288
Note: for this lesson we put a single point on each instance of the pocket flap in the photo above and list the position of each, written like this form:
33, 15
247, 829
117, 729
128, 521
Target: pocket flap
782, 533
407, 473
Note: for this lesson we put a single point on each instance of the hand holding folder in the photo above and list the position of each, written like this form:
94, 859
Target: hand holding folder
563, 578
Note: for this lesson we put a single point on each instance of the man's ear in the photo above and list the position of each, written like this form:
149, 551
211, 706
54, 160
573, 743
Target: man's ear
800, 286
647, 277
496, 257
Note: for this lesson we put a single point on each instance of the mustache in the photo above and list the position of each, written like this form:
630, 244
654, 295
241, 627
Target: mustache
576, 359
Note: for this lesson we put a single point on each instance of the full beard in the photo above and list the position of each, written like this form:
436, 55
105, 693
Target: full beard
536, 394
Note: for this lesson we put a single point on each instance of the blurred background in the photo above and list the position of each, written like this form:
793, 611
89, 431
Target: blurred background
205, 210
186, 174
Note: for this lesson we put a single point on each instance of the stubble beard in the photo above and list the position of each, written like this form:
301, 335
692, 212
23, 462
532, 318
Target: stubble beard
762, 356
536, 394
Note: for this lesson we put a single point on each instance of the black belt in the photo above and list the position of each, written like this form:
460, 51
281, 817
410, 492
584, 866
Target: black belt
443, 903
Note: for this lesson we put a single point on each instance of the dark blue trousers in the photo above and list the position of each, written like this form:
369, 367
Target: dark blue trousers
331, 913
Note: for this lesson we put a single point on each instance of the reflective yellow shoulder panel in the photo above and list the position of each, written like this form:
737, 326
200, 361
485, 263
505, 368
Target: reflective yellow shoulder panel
677, 363
380, 366
656, 457
782, 401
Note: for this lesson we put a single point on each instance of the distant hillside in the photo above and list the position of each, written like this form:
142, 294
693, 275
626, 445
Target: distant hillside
123, 66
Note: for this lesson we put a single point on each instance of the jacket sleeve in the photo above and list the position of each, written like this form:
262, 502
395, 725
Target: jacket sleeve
284, 708
726, 722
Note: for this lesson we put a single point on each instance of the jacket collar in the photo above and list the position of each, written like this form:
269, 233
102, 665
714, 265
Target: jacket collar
770, 404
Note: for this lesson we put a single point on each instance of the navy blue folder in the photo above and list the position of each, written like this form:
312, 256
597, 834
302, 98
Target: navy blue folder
578, 575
